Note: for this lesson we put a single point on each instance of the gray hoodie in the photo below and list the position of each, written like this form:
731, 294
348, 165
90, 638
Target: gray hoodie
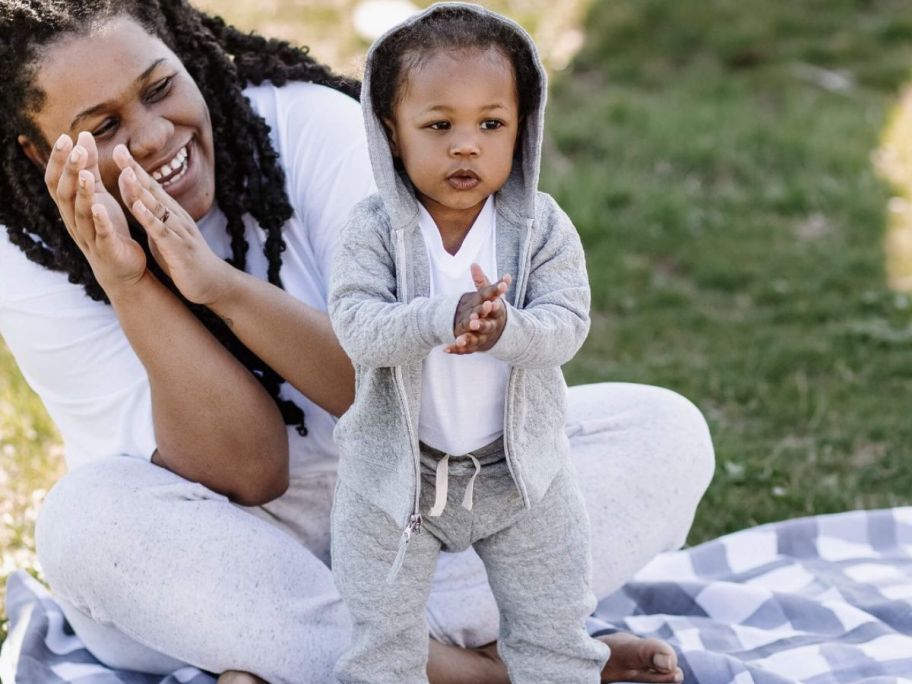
387, 323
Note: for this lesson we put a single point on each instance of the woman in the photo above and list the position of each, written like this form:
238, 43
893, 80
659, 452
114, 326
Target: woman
193, 525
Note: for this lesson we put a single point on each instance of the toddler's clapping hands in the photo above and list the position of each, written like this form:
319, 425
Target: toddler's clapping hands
480, 315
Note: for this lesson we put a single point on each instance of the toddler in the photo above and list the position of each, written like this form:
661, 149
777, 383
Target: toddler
456, 436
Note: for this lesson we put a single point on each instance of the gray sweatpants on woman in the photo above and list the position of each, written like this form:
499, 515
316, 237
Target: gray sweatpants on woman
155, 572
537, 562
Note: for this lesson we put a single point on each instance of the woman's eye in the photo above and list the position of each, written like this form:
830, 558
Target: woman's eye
107, 126
440, 126
491, 124
159, 90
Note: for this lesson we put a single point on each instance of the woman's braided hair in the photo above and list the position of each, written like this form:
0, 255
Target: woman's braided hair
248, 176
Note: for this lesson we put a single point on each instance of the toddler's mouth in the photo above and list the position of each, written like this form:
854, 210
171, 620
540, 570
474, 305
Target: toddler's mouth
463, 179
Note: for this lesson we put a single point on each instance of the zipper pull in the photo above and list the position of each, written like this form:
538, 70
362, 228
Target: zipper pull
413, 527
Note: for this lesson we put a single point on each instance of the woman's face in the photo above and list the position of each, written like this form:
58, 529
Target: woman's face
124, 85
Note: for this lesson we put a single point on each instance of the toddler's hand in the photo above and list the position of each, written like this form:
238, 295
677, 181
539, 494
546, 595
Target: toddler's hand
480, 315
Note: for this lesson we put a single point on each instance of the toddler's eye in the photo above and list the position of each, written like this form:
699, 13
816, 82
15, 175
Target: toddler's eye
440, 126
491, 124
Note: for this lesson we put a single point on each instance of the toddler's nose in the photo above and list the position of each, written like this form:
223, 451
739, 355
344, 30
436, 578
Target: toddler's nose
465, 146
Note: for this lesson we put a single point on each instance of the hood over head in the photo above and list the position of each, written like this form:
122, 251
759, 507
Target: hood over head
518, 194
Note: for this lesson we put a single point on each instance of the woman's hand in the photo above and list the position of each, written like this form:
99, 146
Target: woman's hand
92, 216
175, 240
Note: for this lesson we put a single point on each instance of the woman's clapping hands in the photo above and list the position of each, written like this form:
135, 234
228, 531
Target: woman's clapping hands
91, 214
175, 240
98, 224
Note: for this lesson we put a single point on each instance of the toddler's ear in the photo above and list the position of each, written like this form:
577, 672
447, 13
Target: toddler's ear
391, 136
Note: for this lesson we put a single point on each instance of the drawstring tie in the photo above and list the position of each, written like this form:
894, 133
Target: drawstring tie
441, 485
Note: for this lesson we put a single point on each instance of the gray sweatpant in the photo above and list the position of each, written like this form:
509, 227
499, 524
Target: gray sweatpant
537, 562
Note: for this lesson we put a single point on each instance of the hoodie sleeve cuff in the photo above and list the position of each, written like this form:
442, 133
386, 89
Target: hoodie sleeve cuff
438, 327
513, 341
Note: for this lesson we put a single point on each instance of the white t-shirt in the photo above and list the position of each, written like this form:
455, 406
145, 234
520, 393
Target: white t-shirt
462, 396
72, 350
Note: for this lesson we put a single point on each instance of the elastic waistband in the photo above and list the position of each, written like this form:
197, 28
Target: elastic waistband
490, 453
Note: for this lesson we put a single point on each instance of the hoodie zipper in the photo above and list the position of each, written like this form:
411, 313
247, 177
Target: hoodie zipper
413, 527
414, 523
511, 381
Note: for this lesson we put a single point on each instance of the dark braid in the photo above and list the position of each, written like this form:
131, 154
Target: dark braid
248, 176
449, 28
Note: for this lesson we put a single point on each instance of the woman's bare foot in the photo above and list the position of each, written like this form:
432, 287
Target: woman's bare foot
236, 677
454, 665
635, 659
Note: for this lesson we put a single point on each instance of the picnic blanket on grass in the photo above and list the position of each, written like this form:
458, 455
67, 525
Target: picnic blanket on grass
820, 600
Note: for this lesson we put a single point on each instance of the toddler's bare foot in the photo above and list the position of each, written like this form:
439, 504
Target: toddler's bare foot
634, 659
235, 677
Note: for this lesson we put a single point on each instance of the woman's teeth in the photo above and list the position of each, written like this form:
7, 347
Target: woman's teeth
173, 170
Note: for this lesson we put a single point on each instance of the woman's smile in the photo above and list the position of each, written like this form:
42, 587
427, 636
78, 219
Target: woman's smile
179, 175
173, 170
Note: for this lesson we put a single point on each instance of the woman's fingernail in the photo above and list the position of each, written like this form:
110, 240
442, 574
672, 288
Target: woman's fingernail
61, 142
661, 661
76, 154
129, 173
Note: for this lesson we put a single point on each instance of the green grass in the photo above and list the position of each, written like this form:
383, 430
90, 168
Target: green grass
327, 26
716, 157
734, 225
30, 460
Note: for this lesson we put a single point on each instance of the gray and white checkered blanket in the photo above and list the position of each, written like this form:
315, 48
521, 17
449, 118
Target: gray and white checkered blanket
822, 600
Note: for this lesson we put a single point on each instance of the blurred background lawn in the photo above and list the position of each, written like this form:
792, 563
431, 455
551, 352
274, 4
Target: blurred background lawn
741, 174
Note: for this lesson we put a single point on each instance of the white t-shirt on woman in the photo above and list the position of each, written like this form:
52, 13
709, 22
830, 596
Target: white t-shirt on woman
72, 350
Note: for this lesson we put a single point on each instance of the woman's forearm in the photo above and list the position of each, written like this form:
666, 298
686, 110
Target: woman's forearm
214, 422
296, 340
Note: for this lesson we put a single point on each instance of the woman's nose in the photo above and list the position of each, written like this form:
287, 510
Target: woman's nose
150, 136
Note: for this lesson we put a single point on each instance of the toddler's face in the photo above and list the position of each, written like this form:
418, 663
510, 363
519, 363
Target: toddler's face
454, 128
